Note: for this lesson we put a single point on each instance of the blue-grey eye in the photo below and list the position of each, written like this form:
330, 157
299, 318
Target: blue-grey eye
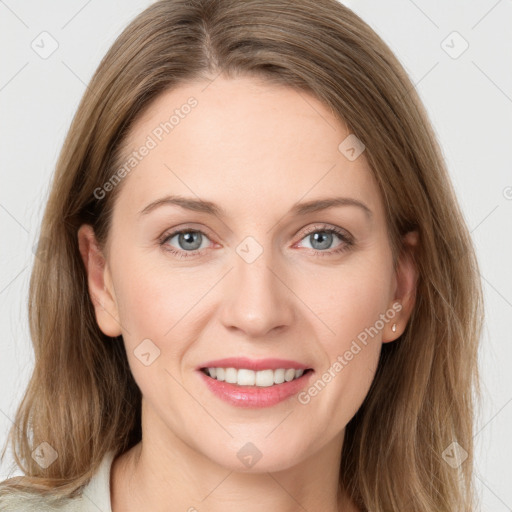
321, 240
188, 240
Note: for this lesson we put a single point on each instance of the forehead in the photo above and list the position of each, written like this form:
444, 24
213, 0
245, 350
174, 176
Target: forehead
242, 142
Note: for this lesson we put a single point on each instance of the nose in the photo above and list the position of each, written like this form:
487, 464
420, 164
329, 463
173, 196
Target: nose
257, 299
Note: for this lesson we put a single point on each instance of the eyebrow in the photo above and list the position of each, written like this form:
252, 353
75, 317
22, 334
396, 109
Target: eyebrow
200, 205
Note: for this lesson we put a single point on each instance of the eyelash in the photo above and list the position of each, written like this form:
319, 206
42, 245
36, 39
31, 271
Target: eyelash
347, 244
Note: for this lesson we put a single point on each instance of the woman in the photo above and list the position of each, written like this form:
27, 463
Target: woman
314, 347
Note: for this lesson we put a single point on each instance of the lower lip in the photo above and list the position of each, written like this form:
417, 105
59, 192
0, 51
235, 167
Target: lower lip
255, 396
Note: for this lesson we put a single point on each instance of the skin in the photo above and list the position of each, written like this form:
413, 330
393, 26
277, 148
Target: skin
255, 150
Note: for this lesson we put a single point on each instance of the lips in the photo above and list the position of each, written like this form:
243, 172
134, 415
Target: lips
253, 396
253, 364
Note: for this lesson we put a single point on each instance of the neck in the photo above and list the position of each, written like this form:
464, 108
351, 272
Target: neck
163, 470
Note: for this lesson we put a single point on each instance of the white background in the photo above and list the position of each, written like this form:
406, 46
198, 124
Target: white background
469, 100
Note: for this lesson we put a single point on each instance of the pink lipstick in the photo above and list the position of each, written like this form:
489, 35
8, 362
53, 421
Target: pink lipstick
254, 383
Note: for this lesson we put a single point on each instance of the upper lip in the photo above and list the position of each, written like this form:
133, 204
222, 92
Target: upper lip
253, 364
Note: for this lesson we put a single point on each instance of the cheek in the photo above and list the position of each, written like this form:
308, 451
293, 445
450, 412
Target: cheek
152, 298
352, 302
152, 308
358, 296
160, 304
352, 309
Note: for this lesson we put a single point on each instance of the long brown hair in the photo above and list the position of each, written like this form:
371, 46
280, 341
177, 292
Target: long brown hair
82, 399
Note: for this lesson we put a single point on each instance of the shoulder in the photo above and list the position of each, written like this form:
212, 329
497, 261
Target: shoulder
26, 501
94, 497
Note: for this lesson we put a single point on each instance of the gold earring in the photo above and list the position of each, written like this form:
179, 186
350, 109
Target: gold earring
393, 327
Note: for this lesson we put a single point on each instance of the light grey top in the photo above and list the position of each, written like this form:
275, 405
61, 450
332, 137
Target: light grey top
97, 490
94, 498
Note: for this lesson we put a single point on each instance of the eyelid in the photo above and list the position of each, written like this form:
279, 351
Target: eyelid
346, 238
185, 228
323, 226
205, 231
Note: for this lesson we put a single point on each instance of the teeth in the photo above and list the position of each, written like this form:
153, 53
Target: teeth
262, 378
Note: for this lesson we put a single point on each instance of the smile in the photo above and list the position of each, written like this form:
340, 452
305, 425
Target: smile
264, 390
261, 378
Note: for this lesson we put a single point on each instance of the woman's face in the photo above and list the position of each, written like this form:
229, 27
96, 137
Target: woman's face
254, 275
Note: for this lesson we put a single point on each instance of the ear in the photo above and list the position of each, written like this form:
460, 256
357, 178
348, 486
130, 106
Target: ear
99, 281
405, 289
